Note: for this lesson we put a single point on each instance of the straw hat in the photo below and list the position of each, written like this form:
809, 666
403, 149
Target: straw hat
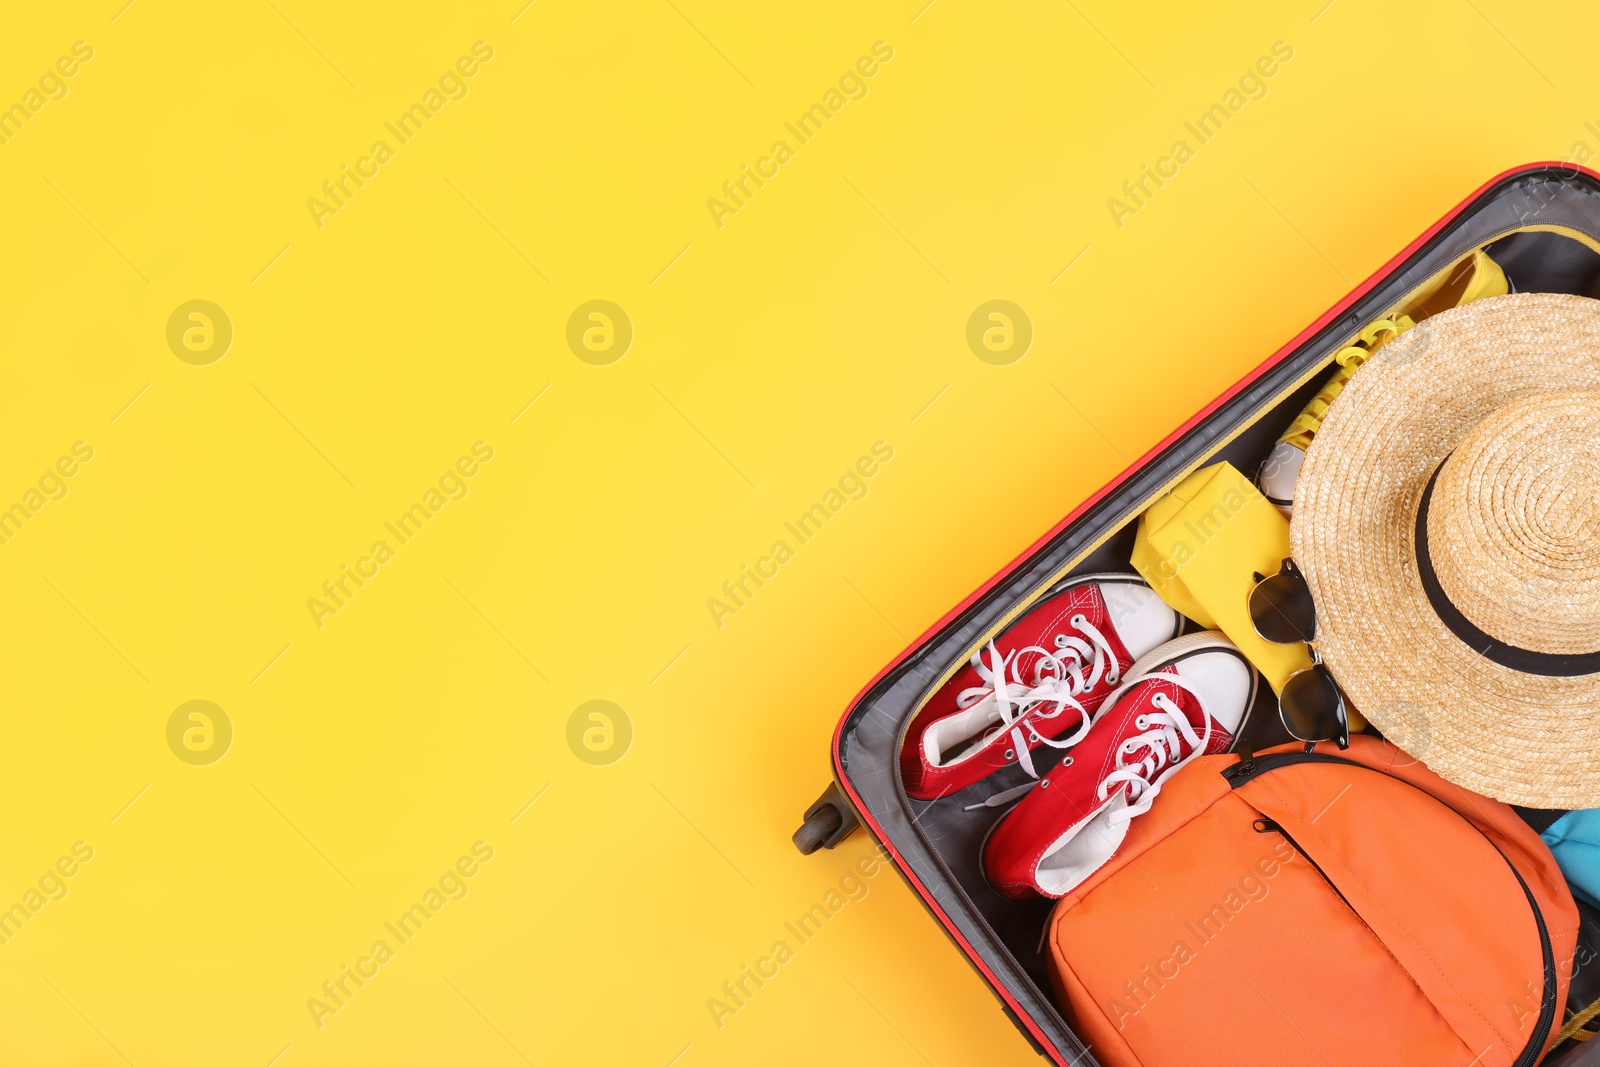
1447, 520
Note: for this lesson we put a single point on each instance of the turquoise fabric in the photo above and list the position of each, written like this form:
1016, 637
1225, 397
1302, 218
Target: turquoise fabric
1575, 840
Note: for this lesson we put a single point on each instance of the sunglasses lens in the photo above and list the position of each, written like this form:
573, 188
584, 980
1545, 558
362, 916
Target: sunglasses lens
1313, 708
1281, 609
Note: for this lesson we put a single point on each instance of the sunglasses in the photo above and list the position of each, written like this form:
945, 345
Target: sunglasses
1311, 704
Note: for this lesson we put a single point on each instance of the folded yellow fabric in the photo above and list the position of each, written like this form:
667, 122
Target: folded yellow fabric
1199, 547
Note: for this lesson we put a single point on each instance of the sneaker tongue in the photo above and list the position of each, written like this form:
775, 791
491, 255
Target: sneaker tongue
1101, 615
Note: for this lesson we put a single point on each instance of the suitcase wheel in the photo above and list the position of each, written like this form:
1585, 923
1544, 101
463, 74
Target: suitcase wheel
827, 822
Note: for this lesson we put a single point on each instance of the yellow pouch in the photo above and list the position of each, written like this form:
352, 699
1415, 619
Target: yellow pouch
1199, 546
1472, 277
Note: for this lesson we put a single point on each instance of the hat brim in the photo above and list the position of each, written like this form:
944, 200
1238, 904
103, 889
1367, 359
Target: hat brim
1523, 738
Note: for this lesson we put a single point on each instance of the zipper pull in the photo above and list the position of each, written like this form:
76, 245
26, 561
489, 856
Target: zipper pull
1267, 826
1239, 770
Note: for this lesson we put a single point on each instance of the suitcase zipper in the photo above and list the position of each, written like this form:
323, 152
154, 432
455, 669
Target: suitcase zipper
1242, 772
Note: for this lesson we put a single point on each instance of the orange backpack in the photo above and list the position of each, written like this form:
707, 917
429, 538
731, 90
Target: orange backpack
1316, 908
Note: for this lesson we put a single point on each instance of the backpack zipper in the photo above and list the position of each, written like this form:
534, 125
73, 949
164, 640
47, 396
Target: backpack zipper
1271, 826
1240, 773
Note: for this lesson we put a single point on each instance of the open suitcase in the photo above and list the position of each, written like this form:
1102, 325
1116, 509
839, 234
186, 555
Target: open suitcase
1541, 224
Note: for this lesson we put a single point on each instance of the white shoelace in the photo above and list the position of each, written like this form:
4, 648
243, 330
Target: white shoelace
1166, 730
1059, 678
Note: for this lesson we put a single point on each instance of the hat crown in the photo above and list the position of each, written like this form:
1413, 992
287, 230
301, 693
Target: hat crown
1569, 518
1514, 523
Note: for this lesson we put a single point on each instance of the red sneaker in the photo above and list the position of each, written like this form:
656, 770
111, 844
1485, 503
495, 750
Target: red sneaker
1042, 678
1188, 697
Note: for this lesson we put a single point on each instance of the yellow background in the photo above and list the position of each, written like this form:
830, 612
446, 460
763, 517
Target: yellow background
368, 354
